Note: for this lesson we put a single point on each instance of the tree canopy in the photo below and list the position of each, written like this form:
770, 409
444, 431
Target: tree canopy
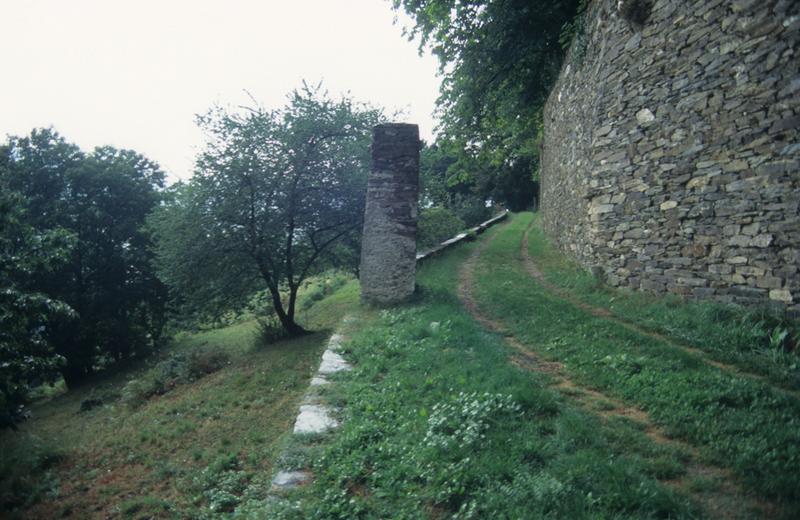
100, 200
274, 193
26, 355
498, 60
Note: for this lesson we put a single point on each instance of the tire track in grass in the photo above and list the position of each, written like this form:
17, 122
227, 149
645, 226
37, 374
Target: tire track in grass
601, 312
727, 501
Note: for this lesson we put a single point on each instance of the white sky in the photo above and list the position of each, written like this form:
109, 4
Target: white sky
134, 73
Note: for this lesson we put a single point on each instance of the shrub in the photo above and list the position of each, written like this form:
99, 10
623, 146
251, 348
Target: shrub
179, 368
269, 330
318, 287
26, 472
221, 484
636, 12
436, 225
471, 209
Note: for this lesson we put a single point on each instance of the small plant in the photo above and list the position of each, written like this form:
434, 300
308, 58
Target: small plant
574, 36
781, 351
463, 422
636, 12
221, 484
269, 330
777, 338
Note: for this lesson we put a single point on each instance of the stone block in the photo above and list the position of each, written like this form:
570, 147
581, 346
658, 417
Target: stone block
751, 229
781, 295
720, 269
769, 282
739, 241
748, 270
747, 292
314, 418
737, 260
762, 241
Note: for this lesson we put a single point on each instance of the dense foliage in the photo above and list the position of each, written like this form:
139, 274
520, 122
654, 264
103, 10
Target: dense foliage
277, 196
436, 225
25, 354
498, 60
97, 202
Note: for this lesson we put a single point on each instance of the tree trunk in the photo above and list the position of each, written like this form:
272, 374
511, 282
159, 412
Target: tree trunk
74, 374
286, 319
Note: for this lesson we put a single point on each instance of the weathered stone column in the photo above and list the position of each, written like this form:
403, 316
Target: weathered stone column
389, 244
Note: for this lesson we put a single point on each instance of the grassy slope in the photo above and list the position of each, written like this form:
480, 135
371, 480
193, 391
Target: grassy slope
746, 424
431, 431
427, 434
437, 422
149, 460
727, 334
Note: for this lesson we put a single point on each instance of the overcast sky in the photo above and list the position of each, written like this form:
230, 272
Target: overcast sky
134, 73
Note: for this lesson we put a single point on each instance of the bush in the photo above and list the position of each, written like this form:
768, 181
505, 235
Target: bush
318, 287
269, 330
179, 368
471, 209
27, 472
437, 224
221, 484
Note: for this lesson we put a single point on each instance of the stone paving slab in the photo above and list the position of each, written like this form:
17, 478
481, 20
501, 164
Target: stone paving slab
332, 363
335, 343
314, 418
289, 479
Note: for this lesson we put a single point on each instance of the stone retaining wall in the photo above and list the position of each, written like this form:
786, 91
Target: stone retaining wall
671, 158
469, 234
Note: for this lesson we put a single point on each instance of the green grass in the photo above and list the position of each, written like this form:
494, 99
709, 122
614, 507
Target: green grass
196, 450
438, 424
727, 333
743, 423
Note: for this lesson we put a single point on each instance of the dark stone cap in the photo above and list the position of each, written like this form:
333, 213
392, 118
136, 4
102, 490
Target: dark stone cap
396, 132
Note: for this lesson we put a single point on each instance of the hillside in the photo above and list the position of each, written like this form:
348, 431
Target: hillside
512, 386
517, 387
183, 454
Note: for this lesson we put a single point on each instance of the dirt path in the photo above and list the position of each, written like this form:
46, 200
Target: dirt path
727, 501
600, 312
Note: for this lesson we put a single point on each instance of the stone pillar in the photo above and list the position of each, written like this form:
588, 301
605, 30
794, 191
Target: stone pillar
389, 243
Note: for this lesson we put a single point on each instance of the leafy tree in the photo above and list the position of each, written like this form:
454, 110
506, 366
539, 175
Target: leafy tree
437, 224
101, 199
26, 355
275, 196
447, 182
498, 60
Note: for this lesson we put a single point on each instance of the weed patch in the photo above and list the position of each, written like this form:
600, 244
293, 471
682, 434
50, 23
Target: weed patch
28, 474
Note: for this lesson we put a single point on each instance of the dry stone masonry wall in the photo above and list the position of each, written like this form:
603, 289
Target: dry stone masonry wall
671, 158
389, 243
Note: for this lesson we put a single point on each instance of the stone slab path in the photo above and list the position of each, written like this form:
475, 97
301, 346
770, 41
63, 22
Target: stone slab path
315, 416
